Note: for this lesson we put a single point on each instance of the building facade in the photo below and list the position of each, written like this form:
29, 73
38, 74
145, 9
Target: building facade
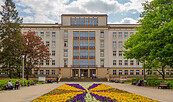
84, 45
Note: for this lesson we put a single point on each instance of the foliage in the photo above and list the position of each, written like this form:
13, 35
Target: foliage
11, 39
153, 42
35, 51
136, 79
156, 82
5, 81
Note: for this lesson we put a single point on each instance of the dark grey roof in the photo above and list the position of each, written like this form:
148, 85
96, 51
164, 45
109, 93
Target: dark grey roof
84, 15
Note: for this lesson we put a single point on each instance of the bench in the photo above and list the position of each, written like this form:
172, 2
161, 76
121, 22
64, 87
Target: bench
8, 87
163, 85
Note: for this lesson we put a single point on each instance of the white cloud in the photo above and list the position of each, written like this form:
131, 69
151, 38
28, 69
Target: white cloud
126, 21
27, 10
1, 3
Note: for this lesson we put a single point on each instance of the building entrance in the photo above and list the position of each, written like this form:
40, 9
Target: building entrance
92, 72
84, 73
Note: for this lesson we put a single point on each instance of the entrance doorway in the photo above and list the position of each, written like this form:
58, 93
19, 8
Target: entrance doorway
84, 73
75, 73
92, 71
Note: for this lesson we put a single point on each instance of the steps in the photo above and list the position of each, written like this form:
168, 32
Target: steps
83, 80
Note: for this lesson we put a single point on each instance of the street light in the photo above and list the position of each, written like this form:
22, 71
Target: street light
23, 68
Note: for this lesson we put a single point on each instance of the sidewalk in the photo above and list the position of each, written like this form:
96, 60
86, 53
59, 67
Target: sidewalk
26, 94
161, 95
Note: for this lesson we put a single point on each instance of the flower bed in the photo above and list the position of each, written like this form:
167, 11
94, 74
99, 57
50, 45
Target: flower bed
64, 93
110, 94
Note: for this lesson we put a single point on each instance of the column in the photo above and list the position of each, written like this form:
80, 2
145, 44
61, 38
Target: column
79, 73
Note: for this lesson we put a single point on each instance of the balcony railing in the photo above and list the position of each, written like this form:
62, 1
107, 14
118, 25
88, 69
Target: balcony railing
84, 47
91, 57
83, 65
75, 37
84, 57
91, 38
92, 47
76, 57
89, 66
75, 47
83, 38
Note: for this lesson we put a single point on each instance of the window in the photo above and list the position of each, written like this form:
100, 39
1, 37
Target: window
120, 62
47, 72
82, 21
53, 34
92, 63
72, 21
102, 63
77, 21
42, 34
75, 54
91, 54
65, 34
92, 44
114, 62
47, 34
76, 63
120, 72
171, 72
65, 43
120, 34
65, 63
120, 44
131, 72
154, 72
47, 62
84, 54
83, 63
114, 53
167, 72
53, 43
137, 62
95, 21
142, 72
53, 72
53, 62
65, 53
47, 43
36, 33
102, 53
92, 34
137, 72
120, 53
84, 44
86, 21
149, 72
35, 72
126, 62
114, 34
125, 34
114, 72
102, 34
91, 21
53, 53
83, 35
41, 62
131, 62
114, 43
41, 72
102, 43
126, 72
131, 33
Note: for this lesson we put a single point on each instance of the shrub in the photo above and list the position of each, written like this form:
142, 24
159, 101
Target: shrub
156, 82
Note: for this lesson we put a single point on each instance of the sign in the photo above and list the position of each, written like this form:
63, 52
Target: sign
41, 78
123, 78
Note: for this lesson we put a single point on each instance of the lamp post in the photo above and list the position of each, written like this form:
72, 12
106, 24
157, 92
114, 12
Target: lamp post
144, 70
23, 68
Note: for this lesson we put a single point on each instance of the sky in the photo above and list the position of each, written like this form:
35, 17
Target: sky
50, 11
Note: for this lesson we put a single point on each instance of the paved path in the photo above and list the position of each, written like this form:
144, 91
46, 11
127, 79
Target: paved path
26, 94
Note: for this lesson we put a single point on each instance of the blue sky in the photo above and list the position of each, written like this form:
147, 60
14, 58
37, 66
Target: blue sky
49, 11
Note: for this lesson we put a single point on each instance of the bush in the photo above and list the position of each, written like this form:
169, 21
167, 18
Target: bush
156, 82
136, 79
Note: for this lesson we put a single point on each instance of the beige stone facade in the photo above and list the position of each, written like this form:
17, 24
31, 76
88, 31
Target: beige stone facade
85, 45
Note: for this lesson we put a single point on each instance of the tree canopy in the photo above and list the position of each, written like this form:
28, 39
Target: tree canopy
154, 40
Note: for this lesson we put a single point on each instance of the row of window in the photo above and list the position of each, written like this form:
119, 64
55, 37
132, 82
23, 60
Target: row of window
48, 34
125, 62
126, 72
48, 43
83, 34
120, 34
47, 62
84, 43
42, 72
85, 21
83, 63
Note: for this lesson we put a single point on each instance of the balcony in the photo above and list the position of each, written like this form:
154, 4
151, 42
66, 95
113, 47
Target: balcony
91, 38
83, 65
90, 66
75, 38
83, 47
83, 38
75, 57
83, 57
92, 47
75, 66
91, 57
75, 47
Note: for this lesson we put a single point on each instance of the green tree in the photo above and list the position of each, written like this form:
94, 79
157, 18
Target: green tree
11, 39
154, 40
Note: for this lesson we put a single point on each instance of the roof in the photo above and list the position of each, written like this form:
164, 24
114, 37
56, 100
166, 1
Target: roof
84, 15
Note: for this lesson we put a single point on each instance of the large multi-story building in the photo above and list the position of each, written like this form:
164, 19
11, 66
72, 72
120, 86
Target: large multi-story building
83, 45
